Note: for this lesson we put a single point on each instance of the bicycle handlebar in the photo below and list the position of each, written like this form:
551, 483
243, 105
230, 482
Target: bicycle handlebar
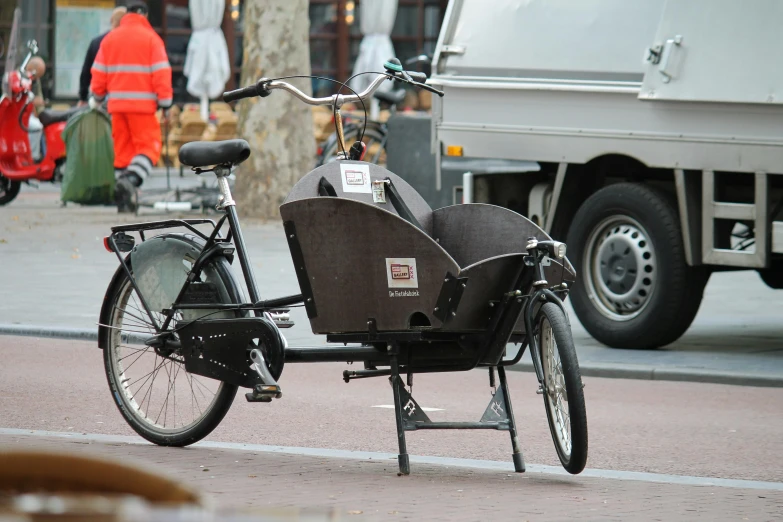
244, 92
264, 86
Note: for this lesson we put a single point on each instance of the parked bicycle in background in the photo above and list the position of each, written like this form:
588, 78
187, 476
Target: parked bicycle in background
372, 132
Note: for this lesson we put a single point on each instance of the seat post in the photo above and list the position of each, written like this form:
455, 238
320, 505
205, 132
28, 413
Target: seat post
225, 200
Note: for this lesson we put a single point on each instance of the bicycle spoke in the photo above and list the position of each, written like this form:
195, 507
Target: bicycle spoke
134, 324
128, 347
134, 360
174, 369
193, 394
174, 407
148, 375
149, 390
150, 386
165, 402
190, 383
151, 379
141, 319
198, 381
556, 394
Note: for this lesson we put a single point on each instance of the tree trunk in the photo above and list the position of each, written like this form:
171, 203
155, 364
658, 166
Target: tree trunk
279, 128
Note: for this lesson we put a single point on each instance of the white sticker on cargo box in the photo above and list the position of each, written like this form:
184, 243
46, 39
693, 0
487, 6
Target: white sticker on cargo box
401, 272
356, 177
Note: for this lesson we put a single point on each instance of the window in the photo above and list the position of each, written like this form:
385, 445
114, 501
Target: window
35, 24
324, 28
415, 31
335, 37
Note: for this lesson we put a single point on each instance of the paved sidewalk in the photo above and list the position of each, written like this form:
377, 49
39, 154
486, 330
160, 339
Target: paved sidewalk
56, 272
372, 490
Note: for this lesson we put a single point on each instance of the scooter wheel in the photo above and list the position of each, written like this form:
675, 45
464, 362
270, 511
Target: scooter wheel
8, 190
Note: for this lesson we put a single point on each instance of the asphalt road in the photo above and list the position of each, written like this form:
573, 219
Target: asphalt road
661, 427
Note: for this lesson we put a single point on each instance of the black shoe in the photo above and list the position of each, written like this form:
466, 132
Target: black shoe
126, 196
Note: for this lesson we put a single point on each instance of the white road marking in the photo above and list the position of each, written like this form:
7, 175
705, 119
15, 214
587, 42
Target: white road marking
391, 407
508, 467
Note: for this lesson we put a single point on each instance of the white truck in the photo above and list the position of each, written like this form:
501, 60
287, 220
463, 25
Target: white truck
656, 129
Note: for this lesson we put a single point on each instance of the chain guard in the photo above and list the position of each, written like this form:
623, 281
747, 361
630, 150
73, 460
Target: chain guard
219, 348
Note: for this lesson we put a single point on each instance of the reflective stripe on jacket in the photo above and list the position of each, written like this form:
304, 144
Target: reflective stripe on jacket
132, 68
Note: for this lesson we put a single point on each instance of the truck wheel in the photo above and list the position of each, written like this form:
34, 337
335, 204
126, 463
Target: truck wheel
8, 190
633, 288
773, 276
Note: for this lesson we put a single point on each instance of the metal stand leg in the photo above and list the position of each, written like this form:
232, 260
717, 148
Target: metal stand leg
519, 461
402, 458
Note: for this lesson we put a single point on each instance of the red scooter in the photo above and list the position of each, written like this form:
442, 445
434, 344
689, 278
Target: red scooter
16, 159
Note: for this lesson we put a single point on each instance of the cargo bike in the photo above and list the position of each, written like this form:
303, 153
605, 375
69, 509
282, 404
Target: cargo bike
392, 284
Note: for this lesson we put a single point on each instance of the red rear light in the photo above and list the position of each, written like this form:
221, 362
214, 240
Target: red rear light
106, 244
320, 151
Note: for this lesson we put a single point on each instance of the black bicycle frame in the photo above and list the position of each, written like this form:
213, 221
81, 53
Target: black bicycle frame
501, 327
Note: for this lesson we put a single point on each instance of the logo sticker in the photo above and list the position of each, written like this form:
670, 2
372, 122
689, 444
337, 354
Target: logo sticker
401, 273
356, 178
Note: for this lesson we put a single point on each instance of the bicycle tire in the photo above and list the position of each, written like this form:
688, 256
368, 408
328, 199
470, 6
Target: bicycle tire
553, 326
372, 136
122, 393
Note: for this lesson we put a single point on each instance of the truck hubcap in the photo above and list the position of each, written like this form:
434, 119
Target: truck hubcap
621, 267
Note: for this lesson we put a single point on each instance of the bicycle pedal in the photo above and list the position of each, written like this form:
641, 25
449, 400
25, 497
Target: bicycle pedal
281, 318
264, 393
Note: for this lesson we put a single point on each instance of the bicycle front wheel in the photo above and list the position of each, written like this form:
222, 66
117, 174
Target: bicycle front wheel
563, 390
158, 398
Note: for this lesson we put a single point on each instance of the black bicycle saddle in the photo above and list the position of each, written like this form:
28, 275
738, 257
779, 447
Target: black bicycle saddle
208, 153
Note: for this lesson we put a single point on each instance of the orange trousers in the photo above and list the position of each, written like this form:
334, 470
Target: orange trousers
134, 134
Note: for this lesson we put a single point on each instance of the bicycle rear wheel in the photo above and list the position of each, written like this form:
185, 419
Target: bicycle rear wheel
563, 390
157, 397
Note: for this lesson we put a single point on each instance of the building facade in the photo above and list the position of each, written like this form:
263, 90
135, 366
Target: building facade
63, 29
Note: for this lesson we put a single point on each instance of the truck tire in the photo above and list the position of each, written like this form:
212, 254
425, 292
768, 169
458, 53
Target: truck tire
634, 288
773, 276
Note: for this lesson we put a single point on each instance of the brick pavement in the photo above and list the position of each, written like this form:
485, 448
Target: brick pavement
57, 272
238, 479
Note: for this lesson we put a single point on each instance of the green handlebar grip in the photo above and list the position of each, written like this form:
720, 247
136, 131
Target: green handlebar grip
393, 66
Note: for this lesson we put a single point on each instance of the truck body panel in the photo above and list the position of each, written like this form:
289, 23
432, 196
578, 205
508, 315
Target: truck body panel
676, 103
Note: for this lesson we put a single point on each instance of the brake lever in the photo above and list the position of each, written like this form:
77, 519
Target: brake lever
428, 88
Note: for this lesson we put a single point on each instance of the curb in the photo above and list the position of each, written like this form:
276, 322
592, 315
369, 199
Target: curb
629, 371
72, 334
491, 465
610, 371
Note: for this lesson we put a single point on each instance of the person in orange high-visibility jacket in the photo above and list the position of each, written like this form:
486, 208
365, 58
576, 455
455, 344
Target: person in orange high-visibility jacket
133, 71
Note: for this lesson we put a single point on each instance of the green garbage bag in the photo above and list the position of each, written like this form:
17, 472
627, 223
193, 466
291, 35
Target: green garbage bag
88, 177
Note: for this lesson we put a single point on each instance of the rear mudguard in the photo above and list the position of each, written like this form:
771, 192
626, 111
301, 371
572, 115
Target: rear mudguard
227, 276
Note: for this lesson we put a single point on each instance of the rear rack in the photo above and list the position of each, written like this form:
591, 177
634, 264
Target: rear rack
169, 223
